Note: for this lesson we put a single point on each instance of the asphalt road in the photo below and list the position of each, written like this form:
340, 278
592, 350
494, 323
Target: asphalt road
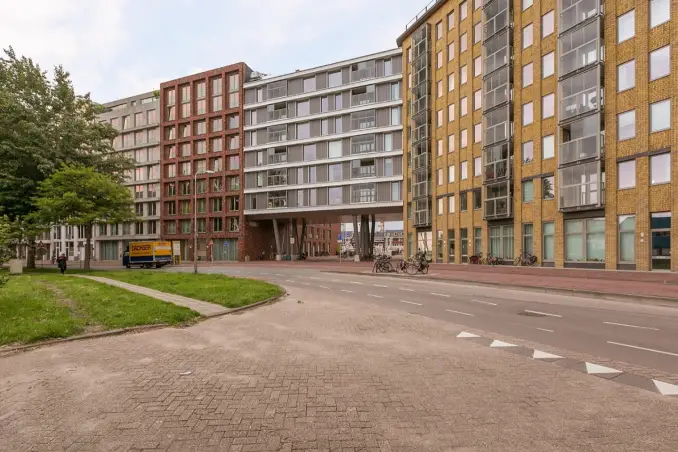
638, 334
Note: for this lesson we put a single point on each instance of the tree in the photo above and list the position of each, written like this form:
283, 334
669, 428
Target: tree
43, 125
81, 196
5, 244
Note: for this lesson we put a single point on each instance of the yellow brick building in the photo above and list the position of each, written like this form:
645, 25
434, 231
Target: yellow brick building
542, 127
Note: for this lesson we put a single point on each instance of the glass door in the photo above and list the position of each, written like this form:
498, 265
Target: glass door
660, 229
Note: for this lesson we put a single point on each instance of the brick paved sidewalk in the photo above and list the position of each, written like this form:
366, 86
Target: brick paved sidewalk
202, 307
330, 374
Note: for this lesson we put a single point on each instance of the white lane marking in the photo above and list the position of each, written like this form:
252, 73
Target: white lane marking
323, 287
663, 388
484, 302
289, 280
411, 302
306, 284
632, 326
278, 274
544, 329
264, 273
440, 295
643, 348
543, 313
374, 296
497, 344
313, 277
335, 280
356, 282
464, 334
379, 285
459, 312
408, 290
347, 291
598, 369
538, 354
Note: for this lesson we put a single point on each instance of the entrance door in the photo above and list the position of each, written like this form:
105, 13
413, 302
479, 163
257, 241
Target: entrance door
660, 229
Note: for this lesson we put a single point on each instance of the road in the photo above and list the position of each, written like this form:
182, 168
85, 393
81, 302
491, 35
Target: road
638, 334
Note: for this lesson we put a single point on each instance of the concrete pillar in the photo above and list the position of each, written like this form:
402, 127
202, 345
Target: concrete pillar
278, 257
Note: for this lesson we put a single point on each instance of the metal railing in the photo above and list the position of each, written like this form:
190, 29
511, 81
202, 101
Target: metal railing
363, 123
363, 148
498, 22
422, 218
497, 207
363, 171
277, 158
580, 103
497, 96
277, 114
274, 93
581, 149
577, 13
581, 195
496, 133
496, 170
363, 99
363, 74
580, 57
421, 161
277, 136
364, 195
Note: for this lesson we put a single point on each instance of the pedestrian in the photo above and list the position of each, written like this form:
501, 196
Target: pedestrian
61, 262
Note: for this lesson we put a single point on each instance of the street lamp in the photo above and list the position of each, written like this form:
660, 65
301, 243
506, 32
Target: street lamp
195, 217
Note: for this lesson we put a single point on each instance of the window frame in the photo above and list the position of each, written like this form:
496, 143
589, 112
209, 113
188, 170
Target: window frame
631, 184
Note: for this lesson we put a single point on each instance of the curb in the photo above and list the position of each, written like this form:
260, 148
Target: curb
245, 308
117, 332
661, 301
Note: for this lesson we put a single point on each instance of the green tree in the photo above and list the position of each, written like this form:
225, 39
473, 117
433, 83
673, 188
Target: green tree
43, 125
81, 196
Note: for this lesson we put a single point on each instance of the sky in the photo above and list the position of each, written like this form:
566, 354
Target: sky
118, 48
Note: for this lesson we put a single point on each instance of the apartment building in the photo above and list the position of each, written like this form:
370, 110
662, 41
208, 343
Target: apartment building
544, 127
324, 144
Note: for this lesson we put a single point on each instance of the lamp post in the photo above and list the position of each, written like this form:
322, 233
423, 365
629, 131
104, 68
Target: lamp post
195, 217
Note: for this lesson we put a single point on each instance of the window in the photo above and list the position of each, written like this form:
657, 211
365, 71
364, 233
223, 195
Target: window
528, 112
477, 240
464, 75
528, 191
528, 35
660, 115
388, 167
450, 143
626, 26
395, 116
463, 11
548, 188
626, 75
477, 199
464, 170
477, 133
547, 24
464, 138
450, 20
200, 128
439, 178
477, 166
626, 174
396, 191
309, 84
477, 67
217, 124
303, 130
171, 227
233, 100
233, 225
450, 204
388, 67
660, 169
660, 12
450, 112
201, 206
233, 82
217, 225
463, 201
627, 238
548, 65
548, 147
660, 228
440, 88
450, 82
439, 30
450, 174
660, 63
477, 100
501, 241
548, 242
234, 162
233, 203
528, 151
440, 147
234, 142
439, 118
334, 149
463, 43
626, 125
528, 231
450, 51
527, 4
477, 32
464, 106
548, 106
528, 74
388, 142
441, 207
439, 60
216, 145
217, 205
233, 121
585, 240
309, 152
334, 79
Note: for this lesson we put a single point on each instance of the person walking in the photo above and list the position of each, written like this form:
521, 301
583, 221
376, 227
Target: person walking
61, 262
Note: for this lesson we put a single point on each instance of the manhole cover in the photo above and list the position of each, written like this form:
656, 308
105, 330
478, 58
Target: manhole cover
531, 314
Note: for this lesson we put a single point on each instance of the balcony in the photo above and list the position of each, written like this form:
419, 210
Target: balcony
581, 140
363, 171
422, 219
276, 134
580, 48
275, 115
421, 161
496, 126
495, 18
363, 144
497, 208
422, 189
363, 99
580, 94
497, 51
363, 120
573, 12
277, 157
363, 193
277, 89
496, 89
580, 187
418, 105
499, 169
363, 73
420, 133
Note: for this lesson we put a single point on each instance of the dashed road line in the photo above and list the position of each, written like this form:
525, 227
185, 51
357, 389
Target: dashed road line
542, 313
632, 326
406, 289
278, 274
544, 329
323, 287
347, 291
643, 348
459, 312
335, 280
289, 280
306, 284
440, 294
356, 282
313, 277
374, 296
411, 302
484, 302
264, 273
379, 285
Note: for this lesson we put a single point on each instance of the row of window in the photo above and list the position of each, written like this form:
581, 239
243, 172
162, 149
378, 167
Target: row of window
200, 166
660, 12
148, 209
660, 171
216, 225
660, 66
139, 228
216, 185
200, 127
200, 89
215, 205
143, 173
217, 105
126, 140
359, 193
200, 146
149, 117
145, 191
451, 171
660, 120
144, 155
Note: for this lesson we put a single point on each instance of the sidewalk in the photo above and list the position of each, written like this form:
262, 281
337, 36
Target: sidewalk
201, 307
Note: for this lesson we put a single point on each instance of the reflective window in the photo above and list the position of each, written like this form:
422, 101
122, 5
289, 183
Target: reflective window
660, 63
626, 75
626, 26
626, 174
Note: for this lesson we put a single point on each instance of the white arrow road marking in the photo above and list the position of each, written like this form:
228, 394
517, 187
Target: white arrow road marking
598, 369
543, 355
459, 312
543, 313
496, 344
666, 388
464, 334
410, 302
632, 326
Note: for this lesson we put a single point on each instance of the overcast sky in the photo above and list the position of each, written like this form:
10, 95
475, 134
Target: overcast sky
118, 48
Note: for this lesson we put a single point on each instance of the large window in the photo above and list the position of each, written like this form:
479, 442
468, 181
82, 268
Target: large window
450, 246
660, 227
548, 66
660, 115
334, 150
528, 238
660, 12
660, 169
528, 74
548, 241
548, 106
626, 174
477, 240
547, 24
463, 239
548, 147
528, 191
660, 63
501, 241
528, 151
528, 114
626, 125
626, 26
627, 238
528, 36
585, 240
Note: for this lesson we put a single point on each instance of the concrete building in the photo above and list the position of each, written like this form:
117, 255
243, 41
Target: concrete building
545, 127
324, 144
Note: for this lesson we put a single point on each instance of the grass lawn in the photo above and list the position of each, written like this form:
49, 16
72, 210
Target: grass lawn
43, 306
219, 289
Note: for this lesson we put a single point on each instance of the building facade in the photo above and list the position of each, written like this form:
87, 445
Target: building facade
544, 127
325, 142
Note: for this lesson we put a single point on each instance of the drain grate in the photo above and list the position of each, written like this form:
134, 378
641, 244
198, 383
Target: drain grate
531, 314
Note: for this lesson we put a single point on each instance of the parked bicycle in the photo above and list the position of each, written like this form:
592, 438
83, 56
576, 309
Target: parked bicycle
525, 259
419, 264
493, 260
401, 266
476, 259
382, 264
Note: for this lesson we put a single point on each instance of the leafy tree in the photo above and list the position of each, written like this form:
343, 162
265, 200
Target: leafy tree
81, 196
43, 125
5, 244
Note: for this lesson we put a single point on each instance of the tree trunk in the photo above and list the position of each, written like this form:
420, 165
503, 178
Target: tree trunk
295, 234
30, 253
302, 244
356, 237
88, 246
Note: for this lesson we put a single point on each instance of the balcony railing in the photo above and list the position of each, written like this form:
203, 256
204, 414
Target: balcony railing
274, 137
363, 171
420, 133
364, 196
580, 103
496, 133
363, 148
274, 93
277, 114
418, 105
363, 123
496, 22
363, 74
573, 13
497, 96
422, 218
277, 158
421, 189
421, 161
583, 148
497, 207
581, 195
363, 99
580, 57
496, 170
